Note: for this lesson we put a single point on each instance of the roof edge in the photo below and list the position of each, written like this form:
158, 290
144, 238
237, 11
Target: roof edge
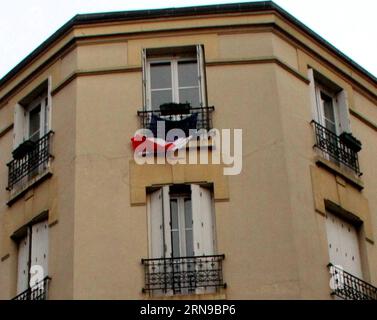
82, 19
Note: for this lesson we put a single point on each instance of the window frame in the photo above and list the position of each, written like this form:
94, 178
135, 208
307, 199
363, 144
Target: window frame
33, 250
174, 71
319, 89
199, 242
26, 104
173, 54
41, 101
182, 228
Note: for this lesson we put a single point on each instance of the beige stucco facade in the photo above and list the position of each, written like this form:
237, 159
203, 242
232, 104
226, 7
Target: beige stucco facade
270, 219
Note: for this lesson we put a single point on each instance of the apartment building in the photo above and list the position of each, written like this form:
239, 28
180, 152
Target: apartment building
80, 218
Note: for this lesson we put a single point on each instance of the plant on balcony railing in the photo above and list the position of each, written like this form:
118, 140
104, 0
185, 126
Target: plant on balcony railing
28, 158
349, 287
342, 149
175, 108
183, 274
177, 116
350, 141
37, 292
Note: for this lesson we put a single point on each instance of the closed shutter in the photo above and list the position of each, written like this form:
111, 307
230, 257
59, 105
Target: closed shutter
39, 248
23, 261
203, 224
343, 245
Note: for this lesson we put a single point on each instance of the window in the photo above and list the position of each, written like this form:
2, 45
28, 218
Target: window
330, 103
328, 112
174, 92
32, 131
181, 221
345, 267
181, 226
174, 75
32, 259
32, 115
182, 245
333, 136
343, 244
173, 80
36, 119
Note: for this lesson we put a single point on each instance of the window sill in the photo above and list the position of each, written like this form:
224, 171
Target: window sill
335, 169
29, 185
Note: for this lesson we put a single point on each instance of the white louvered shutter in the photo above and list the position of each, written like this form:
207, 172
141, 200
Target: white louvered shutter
23, 260
19, 125
156, 224
201, 74
39, 246
203, 223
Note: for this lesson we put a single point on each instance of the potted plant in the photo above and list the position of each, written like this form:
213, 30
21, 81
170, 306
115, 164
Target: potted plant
23, 149
171, 108
350, 141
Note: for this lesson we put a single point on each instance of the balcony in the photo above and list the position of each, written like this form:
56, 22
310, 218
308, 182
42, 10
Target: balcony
349, 287
29, 160
177, 116
341, 149
184, 275
38, 292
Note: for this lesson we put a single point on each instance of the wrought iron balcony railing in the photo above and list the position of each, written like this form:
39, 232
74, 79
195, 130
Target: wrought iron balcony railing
184, 119
349, 287
27, 162
336, 148
184, 274
38, 292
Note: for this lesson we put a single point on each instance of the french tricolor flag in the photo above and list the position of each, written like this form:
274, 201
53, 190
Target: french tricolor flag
157, 145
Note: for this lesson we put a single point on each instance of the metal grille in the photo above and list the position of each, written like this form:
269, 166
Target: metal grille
184, 274
204, 119
331, 144
37, 292
349, 287
31, 162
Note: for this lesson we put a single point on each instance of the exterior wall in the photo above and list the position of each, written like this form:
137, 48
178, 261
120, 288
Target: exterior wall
55, 195
269, 220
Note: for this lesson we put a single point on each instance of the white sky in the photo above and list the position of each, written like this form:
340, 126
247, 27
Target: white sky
350, 25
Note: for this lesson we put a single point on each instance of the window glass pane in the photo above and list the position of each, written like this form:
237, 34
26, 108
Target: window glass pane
34, 123
174, 213
189, 243
160, 97
330, 125
188, 214
160, 75
187, 74
190, 95
175, 243
328, 107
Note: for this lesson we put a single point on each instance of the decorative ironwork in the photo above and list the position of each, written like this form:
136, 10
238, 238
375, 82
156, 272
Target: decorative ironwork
29, 164
188, 118
349, 287
38, 292
183, 274
336, 148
